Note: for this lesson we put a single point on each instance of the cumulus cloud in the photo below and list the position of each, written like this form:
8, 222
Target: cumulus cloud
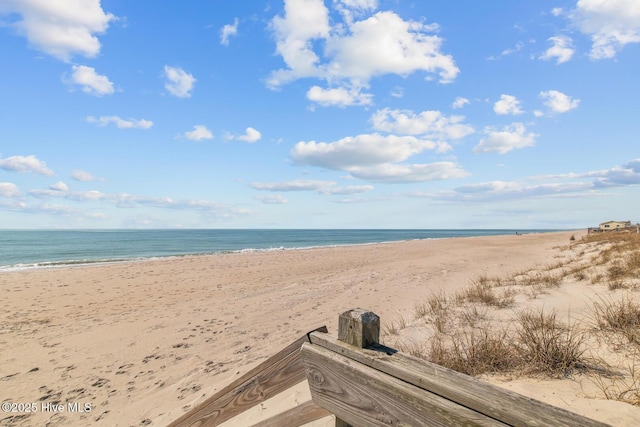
507, 104
90, 82
9, 189
611, 24
460, 102
83, 176
60, 28
361, 150
227, 31
340, 97
251, 135
558, 102
179, 83
121, 123
275, 199
355, 50
59, 186
509, 138
377, 158
431, 124
562, 49
24, 164
198, 133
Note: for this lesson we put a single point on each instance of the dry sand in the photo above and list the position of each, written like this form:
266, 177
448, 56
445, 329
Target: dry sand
142, 342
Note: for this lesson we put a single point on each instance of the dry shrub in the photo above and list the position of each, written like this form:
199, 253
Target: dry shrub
623, 388
548, 346
482, 292
475, 353
621, 317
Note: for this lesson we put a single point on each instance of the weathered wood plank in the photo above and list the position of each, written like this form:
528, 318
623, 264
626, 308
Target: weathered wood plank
359, 327
509, 407
294, 417
363, 396
274, 375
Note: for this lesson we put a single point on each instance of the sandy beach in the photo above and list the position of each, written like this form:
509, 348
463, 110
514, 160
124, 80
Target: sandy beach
140, 343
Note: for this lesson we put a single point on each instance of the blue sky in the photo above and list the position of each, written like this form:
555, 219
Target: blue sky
319, 114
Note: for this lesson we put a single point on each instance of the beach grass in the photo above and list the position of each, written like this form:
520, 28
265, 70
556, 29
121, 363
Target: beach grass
484, 328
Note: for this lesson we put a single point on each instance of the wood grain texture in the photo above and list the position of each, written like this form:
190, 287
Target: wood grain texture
294, 417
278, 373
359, 327
363, 396
504, 405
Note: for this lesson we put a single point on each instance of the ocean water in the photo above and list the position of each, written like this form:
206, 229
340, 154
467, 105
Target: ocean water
23, 249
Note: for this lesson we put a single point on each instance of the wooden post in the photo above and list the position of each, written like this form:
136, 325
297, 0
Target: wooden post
359, 328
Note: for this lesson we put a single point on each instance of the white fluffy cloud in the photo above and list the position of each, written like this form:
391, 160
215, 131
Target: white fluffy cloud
558, 102
227, 31
25, 164
60, 28
611, 24
460, 102
198, 133
59, 186
179, 83
507, 104
562, 49
361, 150
376, 158
354, 50
121, 123
509, 138
251, 135
431, 124
91, 82
340, 97
9, 189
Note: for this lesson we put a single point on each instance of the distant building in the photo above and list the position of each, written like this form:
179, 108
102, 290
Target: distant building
615, 225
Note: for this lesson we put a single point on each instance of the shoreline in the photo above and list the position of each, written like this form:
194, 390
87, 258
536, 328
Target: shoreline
73, 263
145, 341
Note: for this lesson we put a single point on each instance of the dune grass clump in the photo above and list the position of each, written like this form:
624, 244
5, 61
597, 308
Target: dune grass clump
548, 346
539, 344
623, 388
482, 291
475, 353
621, 317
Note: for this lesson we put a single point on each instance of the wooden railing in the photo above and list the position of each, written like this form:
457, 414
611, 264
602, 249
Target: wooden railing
364, 383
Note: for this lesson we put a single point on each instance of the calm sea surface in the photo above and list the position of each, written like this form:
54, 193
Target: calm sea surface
39, 248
